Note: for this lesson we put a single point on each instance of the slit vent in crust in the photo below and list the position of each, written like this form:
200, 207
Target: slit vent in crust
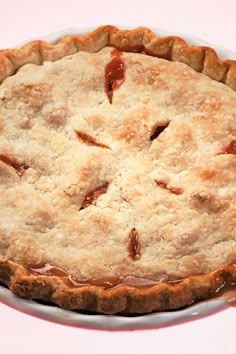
134, 246
231, 148
114, 74
174, 190
158, 130
89, 140
91, 197
20, 168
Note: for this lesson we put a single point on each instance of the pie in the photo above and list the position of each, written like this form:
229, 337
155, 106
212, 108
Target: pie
117, 172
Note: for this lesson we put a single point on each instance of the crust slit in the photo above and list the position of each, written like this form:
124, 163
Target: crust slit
134, 246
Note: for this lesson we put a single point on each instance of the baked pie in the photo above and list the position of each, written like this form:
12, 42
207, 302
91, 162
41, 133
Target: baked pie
117, 172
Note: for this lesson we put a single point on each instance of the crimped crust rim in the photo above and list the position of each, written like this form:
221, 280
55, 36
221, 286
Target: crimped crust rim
125, 299
201, 58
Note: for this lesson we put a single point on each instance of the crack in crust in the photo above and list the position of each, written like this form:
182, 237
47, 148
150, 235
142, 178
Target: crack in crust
201, 59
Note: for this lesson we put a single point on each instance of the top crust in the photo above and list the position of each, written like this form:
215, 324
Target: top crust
142, 186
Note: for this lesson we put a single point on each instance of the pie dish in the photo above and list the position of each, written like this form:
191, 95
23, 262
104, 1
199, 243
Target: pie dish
117, 172
117, 322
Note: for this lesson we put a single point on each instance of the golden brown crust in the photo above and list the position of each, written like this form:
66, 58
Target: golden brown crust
200, 58
120, 299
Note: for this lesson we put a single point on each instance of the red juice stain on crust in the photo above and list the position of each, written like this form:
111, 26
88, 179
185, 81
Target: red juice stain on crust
108, 282
114, 74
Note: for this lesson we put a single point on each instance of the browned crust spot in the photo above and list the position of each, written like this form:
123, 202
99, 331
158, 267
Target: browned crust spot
134, 246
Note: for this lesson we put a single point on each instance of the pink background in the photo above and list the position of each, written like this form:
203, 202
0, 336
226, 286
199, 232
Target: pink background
211, 20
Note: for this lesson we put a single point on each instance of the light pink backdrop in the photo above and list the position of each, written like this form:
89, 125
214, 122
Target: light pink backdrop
211, 20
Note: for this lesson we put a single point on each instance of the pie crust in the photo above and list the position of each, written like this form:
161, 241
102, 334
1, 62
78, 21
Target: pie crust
117, 172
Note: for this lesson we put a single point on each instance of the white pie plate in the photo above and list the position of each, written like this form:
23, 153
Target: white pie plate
116, 322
